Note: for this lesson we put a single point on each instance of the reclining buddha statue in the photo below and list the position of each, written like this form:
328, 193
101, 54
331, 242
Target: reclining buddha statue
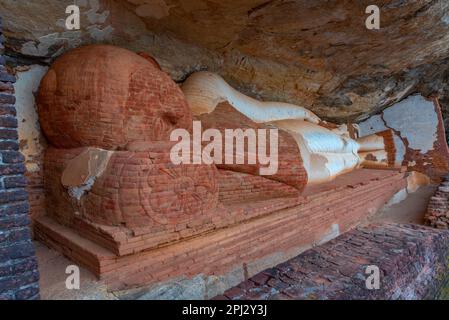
107, 114
324, 153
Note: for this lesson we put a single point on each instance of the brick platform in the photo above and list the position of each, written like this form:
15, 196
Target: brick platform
245, 247
412, 259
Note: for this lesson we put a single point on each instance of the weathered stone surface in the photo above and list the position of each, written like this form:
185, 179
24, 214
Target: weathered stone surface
412, 261
319, 52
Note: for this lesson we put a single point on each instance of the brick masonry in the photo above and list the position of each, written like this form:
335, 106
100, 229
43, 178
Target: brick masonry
437, 214
18, 266
322, 213
412, 262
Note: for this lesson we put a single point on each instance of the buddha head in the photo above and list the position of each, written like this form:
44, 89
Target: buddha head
107, 97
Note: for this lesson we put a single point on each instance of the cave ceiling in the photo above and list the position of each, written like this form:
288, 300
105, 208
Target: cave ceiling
317, 54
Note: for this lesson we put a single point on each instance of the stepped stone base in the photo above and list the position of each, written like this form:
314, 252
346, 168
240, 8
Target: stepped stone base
413, 262
233, 254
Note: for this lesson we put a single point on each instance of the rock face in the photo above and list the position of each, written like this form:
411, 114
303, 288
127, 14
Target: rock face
317, 54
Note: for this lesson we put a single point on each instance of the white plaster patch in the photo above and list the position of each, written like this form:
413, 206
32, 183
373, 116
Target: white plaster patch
94, 16
371, 125
416, 120
28, 121
78, 192
81, 172
332, 234
398, 197
400, 149
100, 34
40, 48
376, 124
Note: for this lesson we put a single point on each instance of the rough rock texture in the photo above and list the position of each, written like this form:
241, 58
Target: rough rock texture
18, 267
437, 214
318, 54
412, 261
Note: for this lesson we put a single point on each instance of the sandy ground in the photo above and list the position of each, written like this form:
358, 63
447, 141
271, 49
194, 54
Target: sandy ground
52, 265
52, 269
411, 210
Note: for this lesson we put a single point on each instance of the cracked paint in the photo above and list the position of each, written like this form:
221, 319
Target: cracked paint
416, 120
32, 142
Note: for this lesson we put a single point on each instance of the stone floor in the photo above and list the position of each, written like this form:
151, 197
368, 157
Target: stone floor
52, 265
411, 261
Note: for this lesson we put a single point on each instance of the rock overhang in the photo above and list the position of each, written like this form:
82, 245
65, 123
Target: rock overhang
316, 54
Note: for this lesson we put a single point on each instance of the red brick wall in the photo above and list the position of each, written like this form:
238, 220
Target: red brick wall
240, 187
345, 202
35, 188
